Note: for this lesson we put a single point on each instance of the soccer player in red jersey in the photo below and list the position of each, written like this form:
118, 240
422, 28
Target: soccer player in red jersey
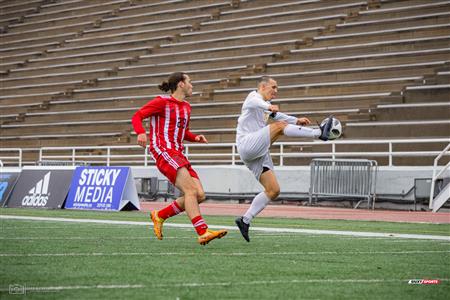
169, 126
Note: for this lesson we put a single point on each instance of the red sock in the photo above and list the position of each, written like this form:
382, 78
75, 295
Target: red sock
171, 210
199, 224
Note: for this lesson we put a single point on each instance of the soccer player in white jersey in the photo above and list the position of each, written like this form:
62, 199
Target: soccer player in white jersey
254, 137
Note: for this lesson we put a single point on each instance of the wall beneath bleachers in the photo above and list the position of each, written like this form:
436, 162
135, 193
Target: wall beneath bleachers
393, 183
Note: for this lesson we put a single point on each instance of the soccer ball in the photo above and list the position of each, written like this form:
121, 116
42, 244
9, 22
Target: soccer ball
336, 128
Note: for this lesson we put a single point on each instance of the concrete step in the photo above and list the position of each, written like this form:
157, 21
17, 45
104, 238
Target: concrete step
54, 78
63, 140
321, 89
74, 127
417, 111
426, 93
398, 129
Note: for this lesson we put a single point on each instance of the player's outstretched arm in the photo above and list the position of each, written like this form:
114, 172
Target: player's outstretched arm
274, 108
279, 116
303, 121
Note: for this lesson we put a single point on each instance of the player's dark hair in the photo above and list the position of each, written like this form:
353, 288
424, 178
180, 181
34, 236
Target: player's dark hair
172, 83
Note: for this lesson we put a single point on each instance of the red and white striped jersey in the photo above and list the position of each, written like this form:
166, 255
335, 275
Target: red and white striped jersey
169, 124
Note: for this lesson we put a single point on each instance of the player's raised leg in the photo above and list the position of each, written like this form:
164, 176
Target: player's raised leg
277, 129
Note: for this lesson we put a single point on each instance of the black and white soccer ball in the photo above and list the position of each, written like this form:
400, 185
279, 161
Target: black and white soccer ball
336, 128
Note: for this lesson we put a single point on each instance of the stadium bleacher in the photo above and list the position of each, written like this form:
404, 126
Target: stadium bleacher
73, 72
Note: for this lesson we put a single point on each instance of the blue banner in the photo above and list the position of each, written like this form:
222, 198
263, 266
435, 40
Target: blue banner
97, 188
7, 182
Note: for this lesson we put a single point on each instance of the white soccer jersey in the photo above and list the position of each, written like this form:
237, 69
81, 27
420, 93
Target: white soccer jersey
254, 115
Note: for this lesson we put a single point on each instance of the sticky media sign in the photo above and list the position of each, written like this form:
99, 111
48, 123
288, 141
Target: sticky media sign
97, 188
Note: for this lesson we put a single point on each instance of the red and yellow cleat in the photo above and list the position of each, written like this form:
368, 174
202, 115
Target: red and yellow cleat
210, 235
157, 224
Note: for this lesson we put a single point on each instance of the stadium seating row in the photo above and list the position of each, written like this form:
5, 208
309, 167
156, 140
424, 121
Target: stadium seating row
72, 73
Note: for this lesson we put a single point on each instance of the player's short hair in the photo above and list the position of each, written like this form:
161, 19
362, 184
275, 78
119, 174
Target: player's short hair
172, 82
264, 80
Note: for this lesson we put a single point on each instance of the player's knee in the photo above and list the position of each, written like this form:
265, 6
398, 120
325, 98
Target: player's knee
273, 193
201, 196
280, 125
191, 192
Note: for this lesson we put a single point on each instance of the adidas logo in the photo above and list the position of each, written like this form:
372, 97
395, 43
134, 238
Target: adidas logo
38, 195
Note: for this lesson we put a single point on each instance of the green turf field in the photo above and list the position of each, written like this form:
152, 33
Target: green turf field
58, 260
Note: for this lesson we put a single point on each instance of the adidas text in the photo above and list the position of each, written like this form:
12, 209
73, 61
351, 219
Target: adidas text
38, 195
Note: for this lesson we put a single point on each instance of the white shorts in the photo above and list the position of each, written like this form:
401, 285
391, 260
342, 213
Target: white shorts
254, 151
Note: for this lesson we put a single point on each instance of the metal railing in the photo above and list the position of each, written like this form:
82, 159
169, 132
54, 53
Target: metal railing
106, 157
435, 177
113, 155
344, 179
12, 159
334, 154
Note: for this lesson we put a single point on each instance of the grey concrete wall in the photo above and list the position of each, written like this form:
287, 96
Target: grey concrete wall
391, 182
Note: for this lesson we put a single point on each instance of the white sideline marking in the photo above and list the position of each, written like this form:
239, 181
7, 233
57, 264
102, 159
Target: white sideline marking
205, 284
90, 238
264, 229
147, 237
297, 253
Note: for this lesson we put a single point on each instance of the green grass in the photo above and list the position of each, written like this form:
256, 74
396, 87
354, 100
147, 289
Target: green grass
272, 266
372, 226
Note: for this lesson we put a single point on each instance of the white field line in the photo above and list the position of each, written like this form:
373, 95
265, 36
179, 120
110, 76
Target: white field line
388, 239
263, 229
150, 236
296, 253
209, 284
84, 238
38, 227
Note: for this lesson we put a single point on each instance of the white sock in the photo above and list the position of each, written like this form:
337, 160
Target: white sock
259, 202
300, 131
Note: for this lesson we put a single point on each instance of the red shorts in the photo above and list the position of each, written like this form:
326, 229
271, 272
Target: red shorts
169, 162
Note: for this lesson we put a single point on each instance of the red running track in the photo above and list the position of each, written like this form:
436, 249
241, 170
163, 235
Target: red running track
324, 213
